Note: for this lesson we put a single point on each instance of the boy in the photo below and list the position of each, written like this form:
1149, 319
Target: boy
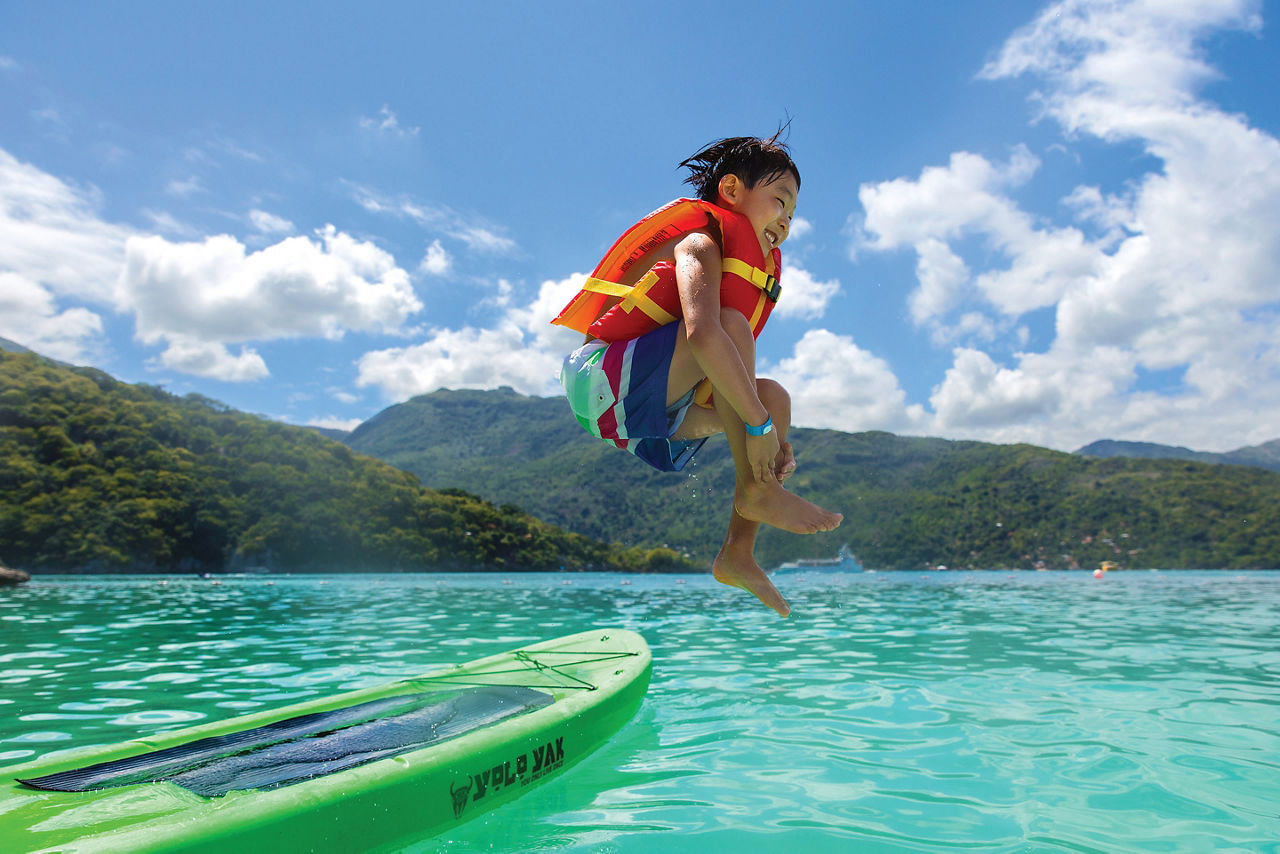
671, 315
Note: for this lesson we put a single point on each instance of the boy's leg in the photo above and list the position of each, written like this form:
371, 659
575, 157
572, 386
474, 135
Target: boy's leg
736, 565
762, 501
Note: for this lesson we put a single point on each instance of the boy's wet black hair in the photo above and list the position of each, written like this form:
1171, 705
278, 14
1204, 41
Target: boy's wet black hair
750, 158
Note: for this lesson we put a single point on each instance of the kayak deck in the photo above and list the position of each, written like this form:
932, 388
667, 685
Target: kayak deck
307, 746
365, 770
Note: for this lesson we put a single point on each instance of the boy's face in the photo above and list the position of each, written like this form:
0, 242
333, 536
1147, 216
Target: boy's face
769, 206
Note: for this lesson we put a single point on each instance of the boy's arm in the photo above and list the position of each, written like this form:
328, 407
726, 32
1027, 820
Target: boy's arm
697, 262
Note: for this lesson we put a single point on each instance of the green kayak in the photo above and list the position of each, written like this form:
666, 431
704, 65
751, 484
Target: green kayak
367, 770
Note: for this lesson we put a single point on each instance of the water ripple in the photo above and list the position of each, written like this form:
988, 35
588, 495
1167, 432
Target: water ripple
900, 712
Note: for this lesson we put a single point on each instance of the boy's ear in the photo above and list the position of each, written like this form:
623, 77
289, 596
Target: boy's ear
730, 186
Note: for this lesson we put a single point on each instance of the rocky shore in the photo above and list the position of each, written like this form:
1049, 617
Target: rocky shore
12, 577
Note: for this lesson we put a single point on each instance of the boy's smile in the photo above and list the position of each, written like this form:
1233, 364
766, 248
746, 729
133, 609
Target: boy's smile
769, 206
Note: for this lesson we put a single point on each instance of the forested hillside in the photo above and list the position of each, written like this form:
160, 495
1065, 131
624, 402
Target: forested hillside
99, 475
1264, 456
909, 503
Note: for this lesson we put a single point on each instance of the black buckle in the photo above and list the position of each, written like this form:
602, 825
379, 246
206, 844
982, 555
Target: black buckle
773, 290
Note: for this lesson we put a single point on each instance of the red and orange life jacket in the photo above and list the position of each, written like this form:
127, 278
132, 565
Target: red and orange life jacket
748, 280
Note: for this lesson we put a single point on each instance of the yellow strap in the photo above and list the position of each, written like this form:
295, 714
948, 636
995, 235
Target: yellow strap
600, 286
633, 297
657, 313
755, 315
639, 298
754, 275
702, 394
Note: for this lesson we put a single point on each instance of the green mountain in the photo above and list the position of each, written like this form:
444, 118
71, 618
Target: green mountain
908, 503
1265, 456
99, 475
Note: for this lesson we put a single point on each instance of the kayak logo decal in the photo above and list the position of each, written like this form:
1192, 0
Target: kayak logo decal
460, 796
523, 770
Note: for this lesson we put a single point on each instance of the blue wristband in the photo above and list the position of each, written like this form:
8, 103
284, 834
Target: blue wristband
764, 428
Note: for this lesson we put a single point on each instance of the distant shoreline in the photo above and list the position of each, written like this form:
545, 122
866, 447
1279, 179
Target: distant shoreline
793, 573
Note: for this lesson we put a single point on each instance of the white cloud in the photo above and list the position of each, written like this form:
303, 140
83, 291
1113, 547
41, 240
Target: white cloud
968, 197
946, 202
504, 293
481, 239
342, 395
1112, 213
166, 223
804, 296
183, 187
223, 145
1180, 274
211, 152
461, 358
975, 324
523, 350
332, 422
8, 63
799, 228
1102, 57
212, 359
268, 223
477, 236
51, 118
29, 316
215, 292
437, 261
942, 275
978, 393
193, 297
834, 383
535, 317
53, 236
387, 124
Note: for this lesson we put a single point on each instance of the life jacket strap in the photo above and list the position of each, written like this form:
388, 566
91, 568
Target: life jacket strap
602, 286
754, 275
636, 297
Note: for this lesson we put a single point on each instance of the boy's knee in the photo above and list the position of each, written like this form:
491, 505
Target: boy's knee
773, 395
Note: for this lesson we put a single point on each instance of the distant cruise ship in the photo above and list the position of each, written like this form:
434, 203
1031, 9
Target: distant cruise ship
844, 561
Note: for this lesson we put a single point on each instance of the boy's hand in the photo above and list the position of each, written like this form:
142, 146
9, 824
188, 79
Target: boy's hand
762, 454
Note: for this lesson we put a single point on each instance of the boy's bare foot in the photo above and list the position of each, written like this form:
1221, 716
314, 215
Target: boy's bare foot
736, 569
769, 503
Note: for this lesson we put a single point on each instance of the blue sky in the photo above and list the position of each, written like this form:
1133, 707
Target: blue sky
1020, 221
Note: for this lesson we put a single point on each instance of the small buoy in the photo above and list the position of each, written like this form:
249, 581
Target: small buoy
1097, 573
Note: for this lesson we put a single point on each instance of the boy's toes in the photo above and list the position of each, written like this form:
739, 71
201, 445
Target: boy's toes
786, 461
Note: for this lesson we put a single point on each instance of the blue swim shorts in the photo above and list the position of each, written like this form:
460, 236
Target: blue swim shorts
618, 393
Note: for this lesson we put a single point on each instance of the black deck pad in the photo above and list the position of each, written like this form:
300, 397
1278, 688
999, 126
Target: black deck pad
297, 749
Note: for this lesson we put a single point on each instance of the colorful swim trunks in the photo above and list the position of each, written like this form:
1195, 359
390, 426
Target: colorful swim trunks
618, 392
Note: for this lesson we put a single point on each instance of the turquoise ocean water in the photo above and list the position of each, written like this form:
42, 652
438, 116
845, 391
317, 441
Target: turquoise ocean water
893, 712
